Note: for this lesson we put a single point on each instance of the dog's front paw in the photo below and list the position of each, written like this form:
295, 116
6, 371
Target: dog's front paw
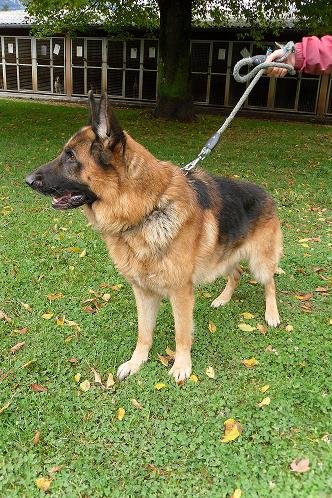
181, 370
272, 319
128, 368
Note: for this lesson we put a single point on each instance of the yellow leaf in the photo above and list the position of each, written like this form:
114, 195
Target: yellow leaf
250, 363
170, 352
237, 493
246, 327
265, 388
247, 316
74, 249
233, 430
47, 316
106, 297
210, 372
60, 321
193, 378
85, 386
289, 328
26, 306
43, 483
163, 359
264, 402
110, 381
212, 327
159, 386
206, 294
77, 377
53, 297
97, 376
83, 253
120, 413
136, 404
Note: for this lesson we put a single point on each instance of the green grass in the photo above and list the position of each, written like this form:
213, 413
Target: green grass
170, 448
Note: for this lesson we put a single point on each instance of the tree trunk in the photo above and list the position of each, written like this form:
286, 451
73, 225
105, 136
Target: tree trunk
174, 91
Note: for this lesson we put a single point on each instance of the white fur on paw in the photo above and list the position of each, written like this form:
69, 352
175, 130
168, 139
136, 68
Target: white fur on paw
180, 372
219, 301
127, 368
272, 320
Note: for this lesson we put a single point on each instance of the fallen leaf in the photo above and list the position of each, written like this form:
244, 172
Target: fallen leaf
83, 253
17, 347
160, 386
120, 413
36, 438
110, 381
289, 328
253, 282
90, 309
55, 469
116, 287
28, 363
26, 306
53, 297
60, 321
310, 239
237, 493
4, 317
322, 289
300, 465
193, 378
73, 360
261, 328
163, 359
266, 401
271, 349
97, 376
304, 297
37, 388
247, 316
306, 307
170, 352
207, 295
325, 438
212, 327
210, 372
43, 483
265, 388
5, 406
106, 297
233, 430
250, 363
22, 331
48, 315
77, 378
85, 386
74, 249
246, 327
136, 404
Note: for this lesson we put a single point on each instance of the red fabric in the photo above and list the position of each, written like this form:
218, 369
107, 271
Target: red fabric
314, 55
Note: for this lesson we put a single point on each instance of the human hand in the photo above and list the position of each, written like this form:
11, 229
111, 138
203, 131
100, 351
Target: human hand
279, 72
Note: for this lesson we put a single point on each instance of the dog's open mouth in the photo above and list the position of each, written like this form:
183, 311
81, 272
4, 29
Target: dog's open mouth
70, 200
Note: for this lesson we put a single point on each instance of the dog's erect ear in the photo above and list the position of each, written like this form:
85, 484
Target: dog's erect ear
103, 121
93, 109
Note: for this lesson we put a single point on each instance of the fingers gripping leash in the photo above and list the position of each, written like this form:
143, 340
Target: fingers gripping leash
258, 61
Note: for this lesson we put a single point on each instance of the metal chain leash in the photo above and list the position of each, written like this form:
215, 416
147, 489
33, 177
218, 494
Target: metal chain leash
260, 66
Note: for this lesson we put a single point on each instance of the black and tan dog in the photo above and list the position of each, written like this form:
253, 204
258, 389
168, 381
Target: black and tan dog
165, 231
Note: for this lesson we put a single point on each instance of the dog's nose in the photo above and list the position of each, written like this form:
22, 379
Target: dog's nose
33, 180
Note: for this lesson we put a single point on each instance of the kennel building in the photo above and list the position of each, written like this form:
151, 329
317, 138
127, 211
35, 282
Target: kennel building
61, 67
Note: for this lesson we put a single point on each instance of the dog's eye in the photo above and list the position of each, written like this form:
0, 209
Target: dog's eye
70, 156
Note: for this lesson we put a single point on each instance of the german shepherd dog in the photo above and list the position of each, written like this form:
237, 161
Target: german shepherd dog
166, 230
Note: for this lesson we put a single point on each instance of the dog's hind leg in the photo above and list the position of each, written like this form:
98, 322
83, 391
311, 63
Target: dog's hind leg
182, 301
147, 308
232, 281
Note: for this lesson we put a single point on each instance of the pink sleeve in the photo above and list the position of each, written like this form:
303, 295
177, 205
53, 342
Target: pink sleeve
314, 55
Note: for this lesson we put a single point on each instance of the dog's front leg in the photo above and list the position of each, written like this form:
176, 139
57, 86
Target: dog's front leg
147, 308
182, 301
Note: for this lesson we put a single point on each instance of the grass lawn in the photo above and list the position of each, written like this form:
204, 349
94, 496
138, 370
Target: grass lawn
169, 445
